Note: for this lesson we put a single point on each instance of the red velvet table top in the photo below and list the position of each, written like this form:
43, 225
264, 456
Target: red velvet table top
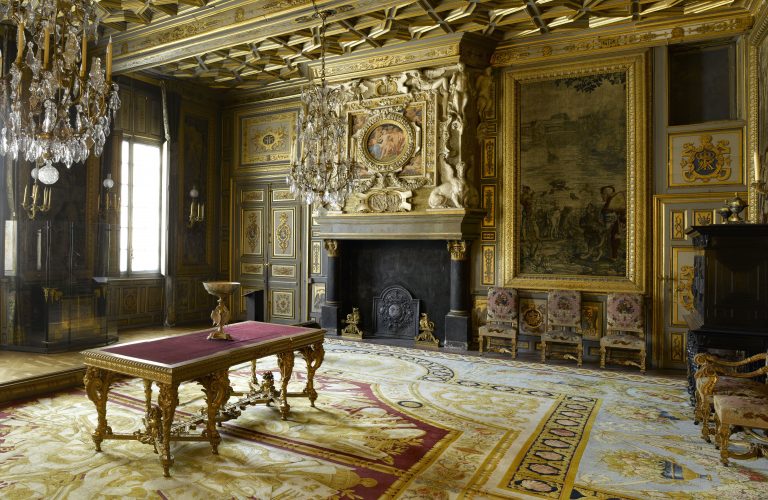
191, 346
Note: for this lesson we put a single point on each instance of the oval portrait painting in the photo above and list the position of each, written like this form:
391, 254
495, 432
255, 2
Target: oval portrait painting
385, 143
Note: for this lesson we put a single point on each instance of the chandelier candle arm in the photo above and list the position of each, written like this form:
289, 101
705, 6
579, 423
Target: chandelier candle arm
53, 109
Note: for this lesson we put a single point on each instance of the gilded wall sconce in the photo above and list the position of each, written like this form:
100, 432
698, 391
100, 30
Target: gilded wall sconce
196, 208
39, 200
110, 201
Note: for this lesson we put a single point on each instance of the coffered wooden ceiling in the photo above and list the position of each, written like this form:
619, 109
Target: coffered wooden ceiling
250, 44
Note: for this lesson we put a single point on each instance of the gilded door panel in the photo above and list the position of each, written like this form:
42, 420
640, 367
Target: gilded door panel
673, 269
285, 260
265, 248
252, 232
284, 233
282, 304
248, 240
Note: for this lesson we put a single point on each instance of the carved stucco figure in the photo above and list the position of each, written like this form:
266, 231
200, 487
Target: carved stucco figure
454, 192
484, 89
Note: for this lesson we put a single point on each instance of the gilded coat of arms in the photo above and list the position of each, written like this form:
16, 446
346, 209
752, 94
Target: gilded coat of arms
707, 161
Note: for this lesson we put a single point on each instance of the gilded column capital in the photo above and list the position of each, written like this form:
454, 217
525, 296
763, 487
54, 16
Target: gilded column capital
458, 249
332, 247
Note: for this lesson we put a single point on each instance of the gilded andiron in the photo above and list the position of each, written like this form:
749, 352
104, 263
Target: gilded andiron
351, 330
220, 315
426, 337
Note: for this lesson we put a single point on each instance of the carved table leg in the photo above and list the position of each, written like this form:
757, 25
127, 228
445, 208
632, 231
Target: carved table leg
148, 395
167, 400
285, 363
97, 383
254, 378
217, 391
313, 355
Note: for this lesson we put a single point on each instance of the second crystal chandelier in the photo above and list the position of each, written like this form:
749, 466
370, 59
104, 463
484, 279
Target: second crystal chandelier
52, 108
323, 174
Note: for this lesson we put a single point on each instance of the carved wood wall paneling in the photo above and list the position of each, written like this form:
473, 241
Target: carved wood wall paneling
197, 159
136, 302
224, 202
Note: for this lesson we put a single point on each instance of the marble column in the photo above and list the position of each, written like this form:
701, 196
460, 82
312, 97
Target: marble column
458, 320
330, 316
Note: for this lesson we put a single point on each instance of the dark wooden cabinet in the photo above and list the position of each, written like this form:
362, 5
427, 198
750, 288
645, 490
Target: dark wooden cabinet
730, 290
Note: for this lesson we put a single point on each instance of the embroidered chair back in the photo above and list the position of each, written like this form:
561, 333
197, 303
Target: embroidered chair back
502, 305
625, 313
564, 309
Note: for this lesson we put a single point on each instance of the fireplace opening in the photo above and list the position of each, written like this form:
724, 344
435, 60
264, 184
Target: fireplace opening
420, 266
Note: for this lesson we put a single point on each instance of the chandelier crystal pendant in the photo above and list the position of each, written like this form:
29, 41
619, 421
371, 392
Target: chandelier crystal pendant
323, 175
52, 110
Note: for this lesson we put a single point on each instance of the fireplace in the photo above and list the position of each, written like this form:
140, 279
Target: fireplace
422, 267
426, 253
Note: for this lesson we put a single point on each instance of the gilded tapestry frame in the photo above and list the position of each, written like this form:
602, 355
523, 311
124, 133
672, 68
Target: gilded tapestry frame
635, 67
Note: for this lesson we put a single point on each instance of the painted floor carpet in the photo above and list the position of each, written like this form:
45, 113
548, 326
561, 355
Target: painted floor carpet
392, 423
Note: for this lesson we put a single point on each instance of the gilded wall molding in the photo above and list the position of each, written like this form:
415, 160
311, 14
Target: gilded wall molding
397, 60
625, 37
756, 37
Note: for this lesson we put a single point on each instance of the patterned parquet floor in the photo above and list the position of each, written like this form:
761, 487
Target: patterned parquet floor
18, 365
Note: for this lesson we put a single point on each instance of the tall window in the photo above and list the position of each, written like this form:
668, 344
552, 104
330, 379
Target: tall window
141, 207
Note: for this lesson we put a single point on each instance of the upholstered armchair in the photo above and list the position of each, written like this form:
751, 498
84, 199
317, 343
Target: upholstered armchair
563, 325
500, 331
717, 377
625, 329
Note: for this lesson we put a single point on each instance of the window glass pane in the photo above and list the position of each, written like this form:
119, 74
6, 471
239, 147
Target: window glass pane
125, 177
146, 208
140, 207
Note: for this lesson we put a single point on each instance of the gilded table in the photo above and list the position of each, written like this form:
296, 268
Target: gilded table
170, 361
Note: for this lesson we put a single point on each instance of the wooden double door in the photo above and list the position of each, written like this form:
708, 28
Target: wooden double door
266, 248
673, 268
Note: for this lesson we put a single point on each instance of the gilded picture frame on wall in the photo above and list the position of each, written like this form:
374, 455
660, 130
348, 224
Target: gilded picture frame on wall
576, 159
395, 135
705, 158
267, 136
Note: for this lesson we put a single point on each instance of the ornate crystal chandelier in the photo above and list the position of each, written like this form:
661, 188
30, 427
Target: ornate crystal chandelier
52, 110
324, 174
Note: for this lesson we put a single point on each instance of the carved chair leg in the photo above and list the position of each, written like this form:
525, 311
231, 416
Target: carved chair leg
724, 435
579, 354
602, 356
705, 413
543, 351
642, 361
514, 348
